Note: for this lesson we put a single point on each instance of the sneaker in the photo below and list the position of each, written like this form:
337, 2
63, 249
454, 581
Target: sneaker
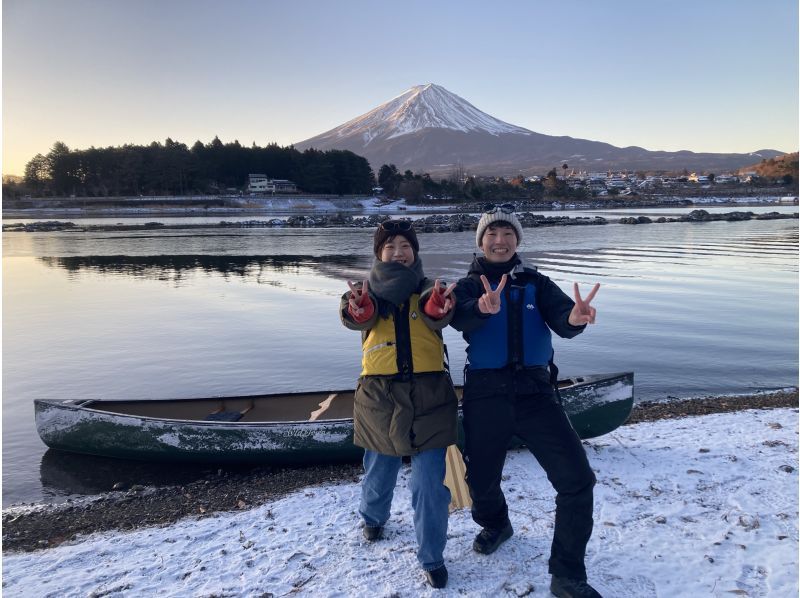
566, 587
372, 533
489, 540
437, 578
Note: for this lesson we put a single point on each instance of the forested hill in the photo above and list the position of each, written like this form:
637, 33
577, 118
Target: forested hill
776, 168
172, 168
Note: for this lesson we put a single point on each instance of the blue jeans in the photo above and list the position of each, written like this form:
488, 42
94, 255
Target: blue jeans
430, 499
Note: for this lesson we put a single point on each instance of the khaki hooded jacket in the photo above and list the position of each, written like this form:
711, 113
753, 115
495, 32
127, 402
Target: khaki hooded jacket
402, 415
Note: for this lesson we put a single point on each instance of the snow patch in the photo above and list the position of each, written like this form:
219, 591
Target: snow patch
422, 107
703, 506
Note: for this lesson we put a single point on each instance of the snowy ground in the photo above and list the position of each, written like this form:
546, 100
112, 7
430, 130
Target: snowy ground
704, 506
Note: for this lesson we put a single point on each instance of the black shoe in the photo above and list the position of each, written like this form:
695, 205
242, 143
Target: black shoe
489, 540
566, 587
373, 533
437, 578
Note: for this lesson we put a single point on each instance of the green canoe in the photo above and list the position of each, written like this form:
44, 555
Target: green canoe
297, 428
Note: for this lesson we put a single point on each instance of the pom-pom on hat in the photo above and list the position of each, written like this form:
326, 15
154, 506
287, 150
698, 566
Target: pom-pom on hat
493, 215
392, 228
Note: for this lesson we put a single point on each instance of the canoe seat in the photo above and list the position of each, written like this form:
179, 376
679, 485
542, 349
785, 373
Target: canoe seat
225, 415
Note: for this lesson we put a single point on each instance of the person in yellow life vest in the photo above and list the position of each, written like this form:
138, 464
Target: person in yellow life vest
405, 405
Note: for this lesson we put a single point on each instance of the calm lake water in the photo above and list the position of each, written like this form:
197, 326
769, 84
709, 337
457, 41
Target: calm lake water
692, 309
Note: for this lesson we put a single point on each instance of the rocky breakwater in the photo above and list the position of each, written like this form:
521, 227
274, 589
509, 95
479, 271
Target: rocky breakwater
436, 223
704, 216
440, 223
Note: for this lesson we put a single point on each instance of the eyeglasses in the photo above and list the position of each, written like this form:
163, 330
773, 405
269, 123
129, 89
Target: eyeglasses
396, 226
506, 208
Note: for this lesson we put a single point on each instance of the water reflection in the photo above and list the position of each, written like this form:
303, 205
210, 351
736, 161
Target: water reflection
175, 267
65, 474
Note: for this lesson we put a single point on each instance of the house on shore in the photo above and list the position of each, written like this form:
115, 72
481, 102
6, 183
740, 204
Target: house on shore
261, 183
698, 178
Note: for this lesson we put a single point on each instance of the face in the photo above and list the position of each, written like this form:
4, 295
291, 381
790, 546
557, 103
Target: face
499, 243
397, 249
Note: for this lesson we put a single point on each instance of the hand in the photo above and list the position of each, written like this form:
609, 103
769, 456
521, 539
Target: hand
440, 302
491, 301
583, 313
359, 299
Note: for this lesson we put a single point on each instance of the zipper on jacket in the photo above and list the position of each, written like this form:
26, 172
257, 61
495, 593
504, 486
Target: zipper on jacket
402, 335
514, 301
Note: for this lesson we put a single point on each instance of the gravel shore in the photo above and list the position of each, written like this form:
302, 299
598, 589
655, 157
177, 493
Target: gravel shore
51, 525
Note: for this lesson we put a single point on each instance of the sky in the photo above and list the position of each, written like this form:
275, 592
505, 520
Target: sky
703, 506
708, 76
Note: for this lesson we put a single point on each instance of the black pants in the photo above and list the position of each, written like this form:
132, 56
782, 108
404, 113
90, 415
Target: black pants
501, 403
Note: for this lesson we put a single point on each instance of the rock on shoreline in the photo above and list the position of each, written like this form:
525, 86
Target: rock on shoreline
47, 526
705, 216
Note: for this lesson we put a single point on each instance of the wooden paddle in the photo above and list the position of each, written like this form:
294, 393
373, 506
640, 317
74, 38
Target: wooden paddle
323, 407
454, 479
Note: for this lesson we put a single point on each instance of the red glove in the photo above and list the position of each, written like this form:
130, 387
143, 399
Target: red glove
367, 306
440, 302
359, 305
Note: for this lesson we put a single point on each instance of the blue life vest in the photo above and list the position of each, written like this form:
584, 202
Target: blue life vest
489, 346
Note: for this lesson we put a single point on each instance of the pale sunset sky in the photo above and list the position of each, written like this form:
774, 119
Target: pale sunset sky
702, 75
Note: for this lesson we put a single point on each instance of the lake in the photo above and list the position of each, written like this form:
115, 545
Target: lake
694, 309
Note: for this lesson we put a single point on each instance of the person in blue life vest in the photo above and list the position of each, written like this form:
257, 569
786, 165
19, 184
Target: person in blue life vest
405, 404
506, 312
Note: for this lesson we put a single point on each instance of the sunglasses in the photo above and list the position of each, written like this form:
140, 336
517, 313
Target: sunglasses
506, 208
396, 226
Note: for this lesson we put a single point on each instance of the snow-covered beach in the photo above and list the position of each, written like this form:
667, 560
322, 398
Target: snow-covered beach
684, 507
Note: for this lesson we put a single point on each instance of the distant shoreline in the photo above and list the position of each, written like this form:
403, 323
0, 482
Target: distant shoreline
457, 222
227, 206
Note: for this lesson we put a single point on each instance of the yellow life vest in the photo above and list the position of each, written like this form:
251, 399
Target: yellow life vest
381, 349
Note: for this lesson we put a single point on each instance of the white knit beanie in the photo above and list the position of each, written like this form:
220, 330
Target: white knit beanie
498, 216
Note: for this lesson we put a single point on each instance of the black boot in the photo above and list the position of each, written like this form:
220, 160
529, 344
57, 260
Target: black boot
489, 540
437, 578
566, 587
373, 533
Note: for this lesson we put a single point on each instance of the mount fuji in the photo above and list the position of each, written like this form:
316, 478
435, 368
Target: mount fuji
430, 129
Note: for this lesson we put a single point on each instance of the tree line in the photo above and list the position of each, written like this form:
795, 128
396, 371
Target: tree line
172, 168
421, 188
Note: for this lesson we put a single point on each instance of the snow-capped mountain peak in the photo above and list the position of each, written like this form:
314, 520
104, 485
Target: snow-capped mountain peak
429, 129
422, 107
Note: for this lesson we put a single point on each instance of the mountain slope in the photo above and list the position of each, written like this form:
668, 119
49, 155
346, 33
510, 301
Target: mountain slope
429, 129
774, 168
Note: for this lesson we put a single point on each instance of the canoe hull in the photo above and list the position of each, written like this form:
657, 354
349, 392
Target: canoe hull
595, 406
129, 437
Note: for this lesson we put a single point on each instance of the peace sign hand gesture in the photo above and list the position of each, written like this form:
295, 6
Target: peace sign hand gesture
441, 301
490, 301
359, 301
583, 313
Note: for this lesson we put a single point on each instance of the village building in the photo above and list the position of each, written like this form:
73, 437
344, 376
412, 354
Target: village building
261, 183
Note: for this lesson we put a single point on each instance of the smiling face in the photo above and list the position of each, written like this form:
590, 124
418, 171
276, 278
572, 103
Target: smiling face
397, 249
499, 243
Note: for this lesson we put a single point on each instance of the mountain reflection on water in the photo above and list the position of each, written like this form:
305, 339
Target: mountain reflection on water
175, 267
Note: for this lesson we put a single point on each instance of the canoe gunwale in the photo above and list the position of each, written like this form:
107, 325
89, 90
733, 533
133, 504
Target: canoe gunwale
194, 422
